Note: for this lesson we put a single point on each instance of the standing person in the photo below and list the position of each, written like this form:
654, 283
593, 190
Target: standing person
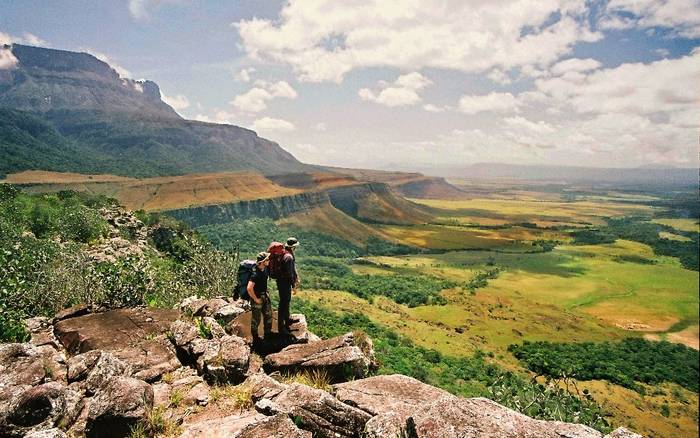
287, 280
260, 298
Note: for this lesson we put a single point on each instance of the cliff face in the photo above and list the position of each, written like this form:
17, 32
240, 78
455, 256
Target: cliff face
48, 79
274, 208
376, 202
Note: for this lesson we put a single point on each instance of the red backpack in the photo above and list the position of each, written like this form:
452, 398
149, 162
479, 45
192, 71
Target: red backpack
277, 251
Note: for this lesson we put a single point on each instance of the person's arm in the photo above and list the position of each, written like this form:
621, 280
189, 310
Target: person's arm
251, 292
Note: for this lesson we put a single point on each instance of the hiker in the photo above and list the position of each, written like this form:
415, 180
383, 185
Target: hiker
260, 297
283, 270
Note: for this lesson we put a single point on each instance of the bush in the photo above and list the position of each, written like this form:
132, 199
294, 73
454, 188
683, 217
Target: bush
624, 363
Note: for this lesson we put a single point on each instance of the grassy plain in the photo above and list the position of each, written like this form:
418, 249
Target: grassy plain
573, 293
544, 213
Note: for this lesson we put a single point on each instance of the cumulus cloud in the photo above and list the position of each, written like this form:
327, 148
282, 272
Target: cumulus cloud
140, 9
244, 74
26, 38
403, 91
681, 16
434, 108
575, 65
272, 124
220, 117
7, 59
661, 86
256, 99
323, 40
178, 102
492, 102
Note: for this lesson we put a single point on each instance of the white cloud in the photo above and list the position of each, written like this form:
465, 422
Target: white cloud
575, 65
494, 102
255, 99
661, 86
434, 108
26, 38
320, 126
140, 9
272, 124
7, 59
499, 76
323, 40
220, 117
137, 9
681, 16
178, 102
244, 74
403, 91
518, 122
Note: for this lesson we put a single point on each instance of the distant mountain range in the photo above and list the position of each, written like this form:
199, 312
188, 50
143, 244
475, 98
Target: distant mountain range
67, 111
641, 175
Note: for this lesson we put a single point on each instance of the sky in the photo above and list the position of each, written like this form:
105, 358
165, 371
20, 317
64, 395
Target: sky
410, 83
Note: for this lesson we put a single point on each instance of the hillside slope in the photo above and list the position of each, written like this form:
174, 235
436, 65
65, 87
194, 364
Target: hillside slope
57, 103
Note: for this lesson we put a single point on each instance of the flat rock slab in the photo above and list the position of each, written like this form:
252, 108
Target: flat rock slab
455, 417
338, 356
135, 336
389, 393
221, 427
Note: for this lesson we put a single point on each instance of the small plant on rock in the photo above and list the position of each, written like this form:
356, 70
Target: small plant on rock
316, 378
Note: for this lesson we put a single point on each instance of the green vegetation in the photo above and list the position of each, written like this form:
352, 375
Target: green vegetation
251, 236
481, 279
412, 290
44, 265
639, 229
624, 363
465, 376
254, 235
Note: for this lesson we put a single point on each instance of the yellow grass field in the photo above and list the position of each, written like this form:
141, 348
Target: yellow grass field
690, 225
543, 213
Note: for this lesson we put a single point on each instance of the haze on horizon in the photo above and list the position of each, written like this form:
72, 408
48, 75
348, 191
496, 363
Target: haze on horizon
404, 84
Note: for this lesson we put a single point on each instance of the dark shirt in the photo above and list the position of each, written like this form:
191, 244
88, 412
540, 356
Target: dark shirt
260, 279
289, 269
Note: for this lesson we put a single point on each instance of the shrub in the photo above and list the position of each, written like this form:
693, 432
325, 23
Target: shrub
624, 363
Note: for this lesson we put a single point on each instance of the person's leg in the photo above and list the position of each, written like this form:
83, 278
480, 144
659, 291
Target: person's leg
267, 315
256, 310
285, 290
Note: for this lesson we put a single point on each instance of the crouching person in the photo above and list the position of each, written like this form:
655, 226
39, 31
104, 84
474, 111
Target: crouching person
260, 298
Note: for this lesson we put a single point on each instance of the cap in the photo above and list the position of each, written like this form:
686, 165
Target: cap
262, 256
292, 242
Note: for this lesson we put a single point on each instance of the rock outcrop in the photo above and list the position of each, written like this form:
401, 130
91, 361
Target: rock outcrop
121, 404
102, 383
340, 357
135, 336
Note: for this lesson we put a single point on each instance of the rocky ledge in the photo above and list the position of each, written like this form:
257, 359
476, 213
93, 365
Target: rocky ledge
194, 372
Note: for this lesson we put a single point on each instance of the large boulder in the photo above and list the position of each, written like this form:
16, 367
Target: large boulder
224, 427
221, 358
316, 411
390, 393
136, 336
28, 365
224, 360
340, 357
37, 408
118, 406
277, 426
454, 417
